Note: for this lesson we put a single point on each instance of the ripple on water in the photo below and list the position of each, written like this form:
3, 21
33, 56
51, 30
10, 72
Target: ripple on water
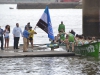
49, 66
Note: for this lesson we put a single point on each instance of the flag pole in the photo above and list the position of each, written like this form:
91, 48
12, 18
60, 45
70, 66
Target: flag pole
35, 27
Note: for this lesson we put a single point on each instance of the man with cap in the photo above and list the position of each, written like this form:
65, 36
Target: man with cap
28, 25
31, 35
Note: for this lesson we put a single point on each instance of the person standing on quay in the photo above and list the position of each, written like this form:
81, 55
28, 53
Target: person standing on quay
25, 39
1, 37
16, 33
31, 35
28, 25
6, 36
61, 27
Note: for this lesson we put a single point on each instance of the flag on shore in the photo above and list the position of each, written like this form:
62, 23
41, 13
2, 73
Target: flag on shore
45, 23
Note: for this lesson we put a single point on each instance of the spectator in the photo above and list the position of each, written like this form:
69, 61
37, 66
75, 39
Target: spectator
31, 35
16, 33
6, 36
25, 39
1, 37
28, 25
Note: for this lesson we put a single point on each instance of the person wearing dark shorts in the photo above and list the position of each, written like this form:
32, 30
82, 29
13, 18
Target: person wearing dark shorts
31, 34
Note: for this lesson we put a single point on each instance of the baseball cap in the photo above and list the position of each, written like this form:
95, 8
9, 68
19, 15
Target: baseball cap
30, 27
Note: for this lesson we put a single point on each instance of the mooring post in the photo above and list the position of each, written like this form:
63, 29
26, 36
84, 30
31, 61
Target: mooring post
91, 18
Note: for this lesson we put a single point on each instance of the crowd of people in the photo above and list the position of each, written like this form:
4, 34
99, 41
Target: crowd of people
70, 38
27, 35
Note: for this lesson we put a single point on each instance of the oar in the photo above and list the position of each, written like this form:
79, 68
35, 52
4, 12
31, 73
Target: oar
41, 44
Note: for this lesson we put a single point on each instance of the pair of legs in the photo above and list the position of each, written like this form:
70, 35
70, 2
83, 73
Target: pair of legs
16, 41
6, 42
31, 41
68, 44
1, 39
25, 40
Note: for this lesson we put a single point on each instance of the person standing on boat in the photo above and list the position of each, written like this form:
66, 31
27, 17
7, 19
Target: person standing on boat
31, 35
61, 27
6, 36
1, 37
16, 33
25, 39
70, 40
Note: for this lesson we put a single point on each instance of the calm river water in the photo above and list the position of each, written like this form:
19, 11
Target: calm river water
72, 18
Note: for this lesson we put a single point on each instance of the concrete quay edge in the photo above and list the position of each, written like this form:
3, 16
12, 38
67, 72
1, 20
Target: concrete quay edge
8, 54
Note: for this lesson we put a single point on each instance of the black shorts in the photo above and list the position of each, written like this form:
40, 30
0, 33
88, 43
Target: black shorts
30, 38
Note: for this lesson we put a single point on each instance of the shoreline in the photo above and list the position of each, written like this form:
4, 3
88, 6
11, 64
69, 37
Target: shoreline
59, 5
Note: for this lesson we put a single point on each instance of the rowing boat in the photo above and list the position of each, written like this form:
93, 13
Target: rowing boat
92, 49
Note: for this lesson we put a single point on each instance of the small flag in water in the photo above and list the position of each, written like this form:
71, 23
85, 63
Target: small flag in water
45, 24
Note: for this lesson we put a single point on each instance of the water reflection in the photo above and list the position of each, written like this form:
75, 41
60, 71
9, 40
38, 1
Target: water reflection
50, 66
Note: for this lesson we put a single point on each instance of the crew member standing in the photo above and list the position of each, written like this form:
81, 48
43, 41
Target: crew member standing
61, 27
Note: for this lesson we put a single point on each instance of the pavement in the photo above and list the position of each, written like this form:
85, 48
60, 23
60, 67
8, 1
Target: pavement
36, 52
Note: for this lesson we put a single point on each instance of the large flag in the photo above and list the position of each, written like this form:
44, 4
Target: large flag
45, 24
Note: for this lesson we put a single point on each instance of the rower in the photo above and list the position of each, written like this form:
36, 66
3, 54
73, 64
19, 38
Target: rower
61, 37
70, 40
93, 40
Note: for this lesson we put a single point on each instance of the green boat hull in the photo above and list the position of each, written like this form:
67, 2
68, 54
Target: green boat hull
88, 50
92, 49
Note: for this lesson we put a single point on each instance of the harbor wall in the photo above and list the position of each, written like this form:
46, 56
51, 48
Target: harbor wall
50, 5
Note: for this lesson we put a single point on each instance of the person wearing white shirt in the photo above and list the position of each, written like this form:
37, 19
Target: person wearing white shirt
16, 33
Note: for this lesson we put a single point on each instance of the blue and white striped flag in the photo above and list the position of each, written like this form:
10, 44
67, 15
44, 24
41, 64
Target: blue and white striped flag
45, 24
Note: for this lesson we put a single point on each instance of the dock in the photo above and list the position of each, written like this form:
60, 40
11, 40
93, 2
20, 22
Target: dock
36, 52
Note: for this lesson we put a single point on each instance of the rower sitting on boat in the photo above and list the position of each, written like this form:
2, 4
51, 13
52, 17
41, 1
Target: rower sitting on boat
61, 37
86, 40
70, 41
76, 39
79, 41
93, 40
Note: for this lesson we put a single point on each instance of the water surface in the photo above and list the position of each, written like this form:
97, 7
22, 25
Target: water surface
72, 19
